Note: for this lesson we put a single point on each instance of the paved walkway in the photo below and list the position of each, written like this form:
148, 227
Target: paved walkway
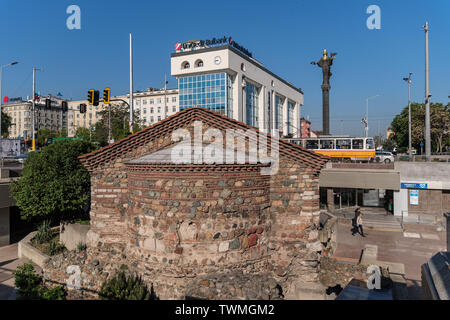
412, 247
8, 263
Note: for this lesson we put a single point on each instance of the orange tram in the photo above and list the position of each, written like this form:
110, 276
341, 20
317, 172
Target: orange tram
340, 148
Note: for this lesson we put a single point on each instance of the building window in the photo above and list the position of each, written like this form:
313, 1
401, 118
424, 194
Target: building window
174, 99
278, 112
174, 109
159, 100
159, 118
199, 63
159, 109
138, 102
151, 110
211, 91
152, 119
251, 105
185, 65
167, 109
144, 101
291, 122
145, 110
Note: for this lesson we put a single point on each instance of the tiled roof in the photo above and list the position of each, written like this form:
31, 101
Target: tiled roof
184, 118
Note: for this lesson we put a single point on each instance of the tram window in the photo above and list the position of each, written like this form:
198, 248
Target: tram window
370, 144
357, 144
312, 144
343, 144
327, 144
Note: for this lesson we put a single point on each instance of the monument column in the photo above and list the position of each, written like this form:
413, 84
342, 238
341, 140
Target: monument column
326, 109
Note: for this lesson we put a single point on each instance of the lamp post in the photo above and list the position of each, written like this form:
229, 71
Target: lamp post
427, 97
1, 101
409, 112
366, 119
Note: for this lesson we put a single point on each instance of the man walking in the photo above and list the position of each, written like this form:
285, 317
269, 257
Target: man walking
357, 223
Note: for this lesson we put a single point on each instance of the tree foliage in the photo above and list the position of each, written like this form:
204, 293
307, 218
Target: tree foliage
54, 184
120, 117
439, 122
6, 123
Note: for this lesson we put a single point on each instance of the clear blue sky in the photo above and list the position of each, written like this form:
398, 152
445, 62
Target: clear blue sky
284, 35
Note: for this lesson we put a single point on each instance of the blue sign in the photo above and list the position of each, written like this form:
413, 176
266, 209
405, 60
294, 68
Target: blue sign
408, 185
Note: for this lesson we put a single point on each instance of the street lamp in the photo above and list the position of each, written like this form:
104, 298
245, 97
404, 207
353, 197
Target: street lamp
409, 112
366, 119
1, 101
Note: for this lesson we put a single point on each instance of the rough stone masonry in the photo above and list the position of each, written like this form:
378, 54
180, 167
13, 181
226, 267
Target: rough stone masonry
199, 230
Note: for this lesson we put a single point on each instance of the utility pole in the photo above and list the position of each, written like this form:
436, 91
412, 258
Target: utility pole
33, 143
109, 123
366, 120
131, 84
427, 98
165, 97
409, 113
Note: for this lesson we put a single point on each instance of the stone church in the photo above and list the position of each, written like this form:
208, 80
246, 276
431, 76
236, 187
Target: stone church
203, 230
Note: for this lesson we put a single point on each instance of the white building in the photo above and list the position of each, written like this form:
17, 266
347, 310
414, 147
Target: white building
53, 118
153, 106
231, 82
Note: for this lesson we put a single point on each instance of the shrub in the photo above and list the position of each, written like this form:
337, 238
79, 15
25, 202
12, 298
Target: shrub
122, 287
44, 232
54, 248
56, 293
81, 246
27, 281
30, 285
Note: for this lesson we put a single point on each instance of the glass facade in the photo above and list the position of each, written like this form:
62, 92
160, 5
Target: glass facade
251, 105
210, 91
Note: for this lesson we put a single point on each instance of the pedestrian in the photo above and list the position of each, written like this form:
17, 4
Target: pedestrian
359, 223
354, 221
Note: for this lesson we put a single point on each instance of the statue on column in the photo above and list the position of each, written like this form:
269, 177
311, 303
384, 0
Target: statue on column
325, 63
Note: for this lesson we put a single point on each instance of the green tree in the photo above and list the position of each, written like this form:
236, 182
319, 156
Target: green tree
54, 184
120, 117
44, 135
62, 133
83, 133
389, 144
6, 123
439, 120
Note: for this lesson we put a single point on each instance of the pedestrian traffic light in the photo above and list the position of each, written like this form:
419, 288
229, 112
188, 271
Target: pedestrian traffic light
64, 106
83, 108
96, 97
48, 104
106, 95
91, 96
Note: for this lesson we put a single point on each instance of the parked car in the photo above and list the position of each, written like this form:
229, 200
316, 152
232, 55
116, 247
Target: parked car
384, 156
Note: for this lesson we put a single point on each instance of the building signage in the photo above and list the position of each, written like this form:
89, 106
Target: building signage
411, 185
214, 41
414, 197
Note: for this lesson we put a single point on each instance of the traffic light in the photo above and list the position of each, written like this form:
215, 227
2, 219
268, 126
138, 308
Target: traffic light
64, 106
83, 108
91, 96
96, 97
106, 95
48, 104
